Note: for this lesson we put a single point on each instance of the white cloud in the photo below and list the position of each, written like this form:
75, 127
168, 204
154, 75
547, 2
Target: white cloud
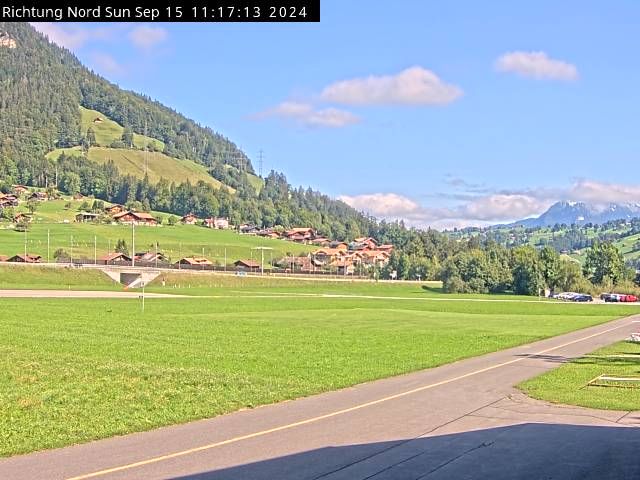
146, 37
383, 204
306, 114
413, 86
536, 65
501, 207
75, 36
592, 191
105, 63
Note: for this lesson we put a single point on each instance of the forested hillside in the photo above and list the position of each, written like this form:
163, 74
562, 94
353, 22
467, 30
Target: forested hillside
42, 90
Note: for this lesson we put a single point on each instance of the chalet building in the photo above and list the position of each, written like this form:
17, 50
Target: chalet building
29, 258
194, 261
300, 235
306, 264
247, 265
339, 245
38, 196
343, 267
219, 223
22, 217
321, 241
268, 233
189, 219
84, 217
19, 189
387, 247
4, 258
114, 258
248, 229
363, 243
8, 200
327, 255
136, 218
375, 258
151, 257
114, 209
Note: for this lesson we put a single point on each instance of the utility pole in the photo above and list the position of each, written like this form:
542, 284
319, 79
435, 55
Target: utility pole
25, 243
71, 253
225, 259
48, 245
133, 243
95, 249
260, 161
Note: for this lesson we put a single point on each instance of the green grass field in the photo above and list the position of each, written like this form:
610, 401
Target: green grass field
76, 370
176, 242
568, 384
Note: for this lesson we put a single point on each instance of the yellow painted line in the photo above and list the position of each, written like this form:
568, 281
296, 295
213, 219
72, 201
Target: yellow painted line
210, 446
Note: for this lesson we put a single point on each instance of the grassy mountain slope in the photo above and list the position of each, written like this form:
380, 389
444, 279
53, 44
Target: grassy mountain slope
108, 131
137, 162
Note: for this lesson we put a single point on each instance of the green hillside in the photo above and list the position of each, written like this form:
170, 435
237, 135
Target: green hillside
175, 241
137, 162
108, 131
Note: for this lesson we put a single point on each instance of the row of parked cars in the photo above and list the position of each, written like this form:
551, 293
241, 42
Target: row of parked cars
607, 297
618, 297
573, 297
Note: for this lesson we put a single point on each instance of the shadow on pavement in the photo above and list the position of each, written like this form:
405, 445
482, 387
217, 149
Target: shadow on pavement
525, 451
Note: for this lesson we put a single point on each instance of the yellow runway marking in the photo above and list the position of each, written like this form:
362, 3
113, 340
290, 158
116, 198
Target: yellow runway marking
210, 446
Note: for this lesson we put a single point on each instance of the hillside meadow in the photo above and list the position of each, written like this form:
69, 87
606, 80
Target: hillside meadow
175, 241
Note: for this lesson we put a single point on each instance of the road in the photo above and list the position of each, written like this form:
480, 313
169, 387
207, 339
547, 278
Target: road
464, 420
80, 294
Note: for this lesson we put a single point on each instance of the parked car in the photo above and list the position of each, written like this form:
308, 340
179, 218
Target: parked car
583, 298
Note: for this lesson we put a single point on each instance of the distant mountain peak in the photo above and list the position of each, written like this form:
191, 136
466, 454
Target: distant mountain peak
572, 212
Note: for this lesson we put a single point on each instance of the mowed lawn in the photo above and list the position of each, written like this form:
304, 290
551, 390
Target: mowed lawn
568, 384
76, 370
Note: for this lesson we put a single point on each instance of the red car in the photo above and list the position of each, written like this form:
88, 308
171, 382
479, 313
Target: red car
630, 298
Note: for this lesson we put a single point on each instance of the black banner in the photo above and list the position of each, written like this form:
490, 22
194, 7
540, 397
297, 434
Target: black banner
164, 11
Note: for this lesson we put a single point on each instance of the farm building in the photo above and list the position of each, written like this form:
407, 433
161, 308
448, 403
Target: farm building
84, 217
39, 196
189, 219
247, 265
151, 257
114, 258
136, 218
114, 209
29, 258
194, 261
20, 189
219, 223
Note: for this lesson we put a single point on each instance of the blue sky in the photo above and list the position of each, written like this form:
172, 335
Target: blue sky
441, 113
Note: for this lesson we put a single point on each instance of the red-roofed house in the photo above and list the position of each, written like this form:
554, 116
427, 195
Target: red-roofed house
137, 218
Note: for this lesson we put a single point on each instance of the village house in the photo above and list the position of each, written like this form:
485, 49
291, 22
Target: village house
343, 266
194, 262
363, 243
84, 217
321, 241
114, 209
268, 233
29, 258
219, 223
4, 258
114, 258
8, 200
300, 234
19, 189
327, 255
39, 196
306, 264
375, 258
247, 265
22, 217
189, 219
151, 257
339, 245
248, 229
136, 218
